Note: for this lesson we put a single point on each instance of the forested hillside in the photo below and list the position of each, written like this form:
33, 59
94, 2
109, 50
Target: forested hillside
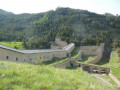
72, 25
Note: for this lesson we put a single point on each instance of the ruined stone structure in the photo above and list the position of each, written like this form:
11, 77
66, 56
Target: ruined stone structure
101, 52
85, 67
28, 56
89, 50
91, 68
60, 43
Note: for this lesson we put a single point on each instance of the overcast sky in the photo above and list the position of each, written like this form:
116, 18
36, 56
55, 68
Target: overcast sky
36, 6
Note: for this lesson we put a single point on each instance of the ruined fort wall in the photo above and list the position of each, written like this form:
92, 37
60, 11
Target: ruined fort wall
13, 55
60, 43
69, 47
99, 55
89, 50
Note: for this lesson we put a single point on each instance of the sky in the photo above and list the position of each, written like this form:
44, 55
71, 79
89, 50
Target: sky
37, 6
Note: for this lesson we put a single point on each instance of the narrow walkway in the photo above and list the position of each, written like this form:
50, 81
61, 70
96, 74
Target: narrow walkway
115, 79
103, 80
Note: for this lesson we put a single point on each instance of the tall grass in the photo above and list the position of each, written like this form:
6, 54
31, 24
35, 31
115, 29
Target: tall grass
17, 76
114, 64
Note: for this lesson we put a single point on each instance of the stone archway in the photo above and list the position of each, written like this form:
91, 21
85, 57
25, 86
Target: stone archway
86, 68
103, 71
95, 70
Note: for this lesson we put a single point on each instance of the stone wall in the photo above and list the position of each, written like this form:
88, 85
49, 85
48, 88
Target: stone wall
89, 50
69, 47
91, 68
60, 43
28, 56
99, 55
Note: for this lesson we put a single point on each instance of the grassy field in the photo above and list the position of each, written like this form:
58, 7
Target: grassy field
17, 45
86, 59
17, 76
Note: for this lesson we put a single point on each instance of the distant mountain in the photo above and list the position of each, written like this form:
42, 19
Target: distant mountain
5, 12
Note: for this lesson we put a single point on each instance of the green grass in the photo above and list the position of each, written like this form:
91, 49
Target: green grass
75, 54
113, 64
17, 45
109, 79
86, 59
20, 76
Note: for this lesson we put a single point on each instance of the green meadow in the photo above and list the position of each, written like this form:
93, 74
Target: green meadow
17, 45
21, 76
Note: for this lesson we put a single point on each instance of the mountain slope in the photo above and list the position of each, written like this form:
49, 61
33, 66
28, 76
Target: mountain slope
72, 25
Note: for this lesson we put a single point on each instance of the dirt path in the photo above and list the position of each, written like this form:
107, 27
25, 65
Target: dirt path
115, 79
103, 80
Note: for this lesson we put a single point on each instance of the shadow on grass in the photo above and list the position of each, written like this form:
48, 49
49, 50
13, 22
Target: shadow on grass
102, 62
72, 67
53, 61
84, 59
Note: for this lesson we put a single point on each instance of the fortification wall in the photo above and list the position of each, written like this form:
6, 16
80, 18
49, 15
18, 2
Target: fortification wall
90, 68
99, 55
60, 43
69, 47
89, 50
9, 54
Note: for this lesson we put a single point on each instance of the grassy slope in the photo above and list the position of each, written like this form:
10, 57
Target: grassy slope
114, 64
17, 45
25, 76
86, 59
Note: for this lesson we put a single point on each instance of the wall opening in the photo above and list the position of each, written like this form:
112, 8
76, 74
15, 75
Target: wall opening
87, 68
103, 71
16, 59
24, 60
7, 57
95, 70
30, 59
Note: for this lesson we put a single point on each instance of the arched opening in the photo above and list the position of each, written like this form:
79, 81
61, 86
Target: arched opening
7, 57
87, 68
103, 71
16, 59
30, 59
95, 70
24, 60
71, 64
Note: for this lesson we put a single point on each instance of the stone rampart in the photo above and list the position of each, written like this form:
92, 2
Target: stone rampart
60, 43
99, 55
29, 56
91, 68
89, 50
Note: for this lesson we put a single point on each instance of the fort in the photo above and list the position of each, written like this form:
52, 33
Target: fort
97, 51
28, 56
